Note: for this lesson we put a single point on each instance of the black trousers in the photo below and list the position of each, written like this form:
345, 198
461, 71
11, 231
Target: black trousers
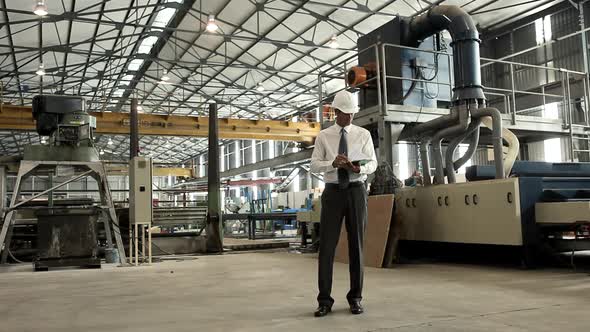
349, 204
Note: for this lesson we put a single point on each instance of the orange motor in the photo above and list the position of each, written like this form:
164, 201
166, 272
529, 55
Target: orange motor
357, 76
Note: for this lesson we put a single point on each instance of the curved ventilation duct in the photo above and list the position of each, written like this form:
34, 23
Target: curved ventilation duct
468, 95
466, 59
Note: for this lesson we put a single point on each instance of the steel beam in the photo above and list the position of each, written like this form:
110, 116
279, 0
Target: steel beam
287, 65
157, 171
21, 118
506, 24
156, 49
91, 49
11, 44
269, 163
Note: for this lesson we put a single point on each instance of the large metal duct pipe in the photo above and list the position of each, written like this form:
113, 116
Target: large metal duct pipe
467, 88
511, 140
466, 59
457, 129
432, 126
424, 144
496, 136
471, 148
452, 166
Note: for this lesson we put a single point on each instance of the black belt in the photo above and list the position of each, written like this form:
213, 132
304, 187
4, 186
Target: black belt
350, 185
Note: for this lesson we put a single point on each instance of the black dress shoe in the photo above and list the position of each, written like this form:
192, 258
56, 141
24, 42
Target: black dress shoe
322, 310
356, 308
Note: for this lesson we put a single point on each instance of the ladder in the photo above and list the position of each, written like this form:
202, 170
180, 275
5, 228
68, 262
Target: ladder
580, 144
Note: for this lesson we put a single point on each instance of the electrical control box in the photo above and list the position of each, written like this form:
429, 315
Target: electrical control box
140, 190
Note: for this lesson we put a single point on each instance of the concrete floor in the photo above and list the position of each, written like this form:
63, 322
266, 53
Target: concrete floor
276, 292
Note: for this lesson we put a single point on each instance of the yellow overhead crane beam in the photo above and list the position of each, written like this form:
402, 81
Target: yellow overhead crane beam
157, 171
21, 118
114, 169
12, 167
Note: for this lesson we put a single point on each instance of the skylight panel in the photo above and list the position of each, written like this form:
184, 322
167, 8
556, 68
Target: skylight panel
135, 64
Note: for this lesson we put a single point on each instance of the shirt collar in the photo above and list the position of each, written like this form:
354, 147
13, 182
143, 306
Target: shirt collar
347, 128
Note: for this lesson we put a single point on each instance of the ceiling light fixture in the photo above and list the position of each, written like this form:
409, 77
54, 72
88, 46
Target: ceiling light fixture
139, 108
101, 152
333, 43
43, 141
165, 78
41, 70
40, 8
110, 142
259, 87
211, 24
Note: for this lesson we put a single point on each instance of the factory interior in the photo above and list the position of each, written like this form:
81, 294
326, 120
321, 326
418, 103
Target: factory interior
157, 164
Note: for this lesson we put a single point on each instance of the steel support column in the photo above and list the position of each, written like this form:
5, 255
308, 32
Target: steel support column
388, 135
2, 189
214, 238
583, 35
134, 130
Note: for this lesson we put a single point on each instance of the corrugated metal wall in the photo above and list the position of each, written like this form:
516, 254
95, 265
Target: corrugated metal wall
566, 53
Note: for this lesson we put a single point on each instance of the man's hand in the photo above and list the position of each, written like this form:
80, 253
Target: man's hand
352, 167
341, 161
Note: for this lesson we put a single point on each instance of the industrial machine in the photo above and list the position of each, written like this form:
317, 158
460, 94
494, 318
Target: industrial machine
401, 63
140, 207
66, 229
312, 213
310, 217
524, 205
69, 127
67, 236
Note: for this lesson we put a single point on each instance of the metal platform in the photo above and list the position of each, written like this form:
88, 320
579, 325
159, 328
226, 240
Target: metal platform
528, 128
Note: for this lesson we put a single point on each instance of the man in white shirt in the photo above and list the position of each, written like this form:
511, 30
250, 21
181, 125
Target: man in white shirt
345, 154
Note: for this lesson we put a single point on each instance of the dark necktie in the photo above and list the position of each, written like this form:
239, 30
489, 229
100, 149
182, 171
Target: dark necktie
343, 176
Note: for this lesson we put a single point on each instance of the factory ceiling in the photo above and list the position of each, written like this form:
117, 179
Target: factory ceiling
256, 58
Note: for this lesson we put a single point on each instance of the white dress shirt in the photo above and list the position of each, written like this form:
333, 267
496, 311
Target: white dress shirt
326, 149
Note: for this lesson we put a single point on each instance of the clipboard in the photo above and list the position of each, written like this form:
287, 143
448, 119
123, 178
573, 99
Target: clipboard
361, 162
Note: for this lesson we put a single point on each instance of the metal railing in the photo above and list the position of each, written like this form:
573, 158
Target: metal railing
338, 72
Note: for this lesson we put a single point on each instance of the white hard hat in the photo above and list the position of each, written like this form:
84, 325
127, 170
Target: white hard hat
344, 101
